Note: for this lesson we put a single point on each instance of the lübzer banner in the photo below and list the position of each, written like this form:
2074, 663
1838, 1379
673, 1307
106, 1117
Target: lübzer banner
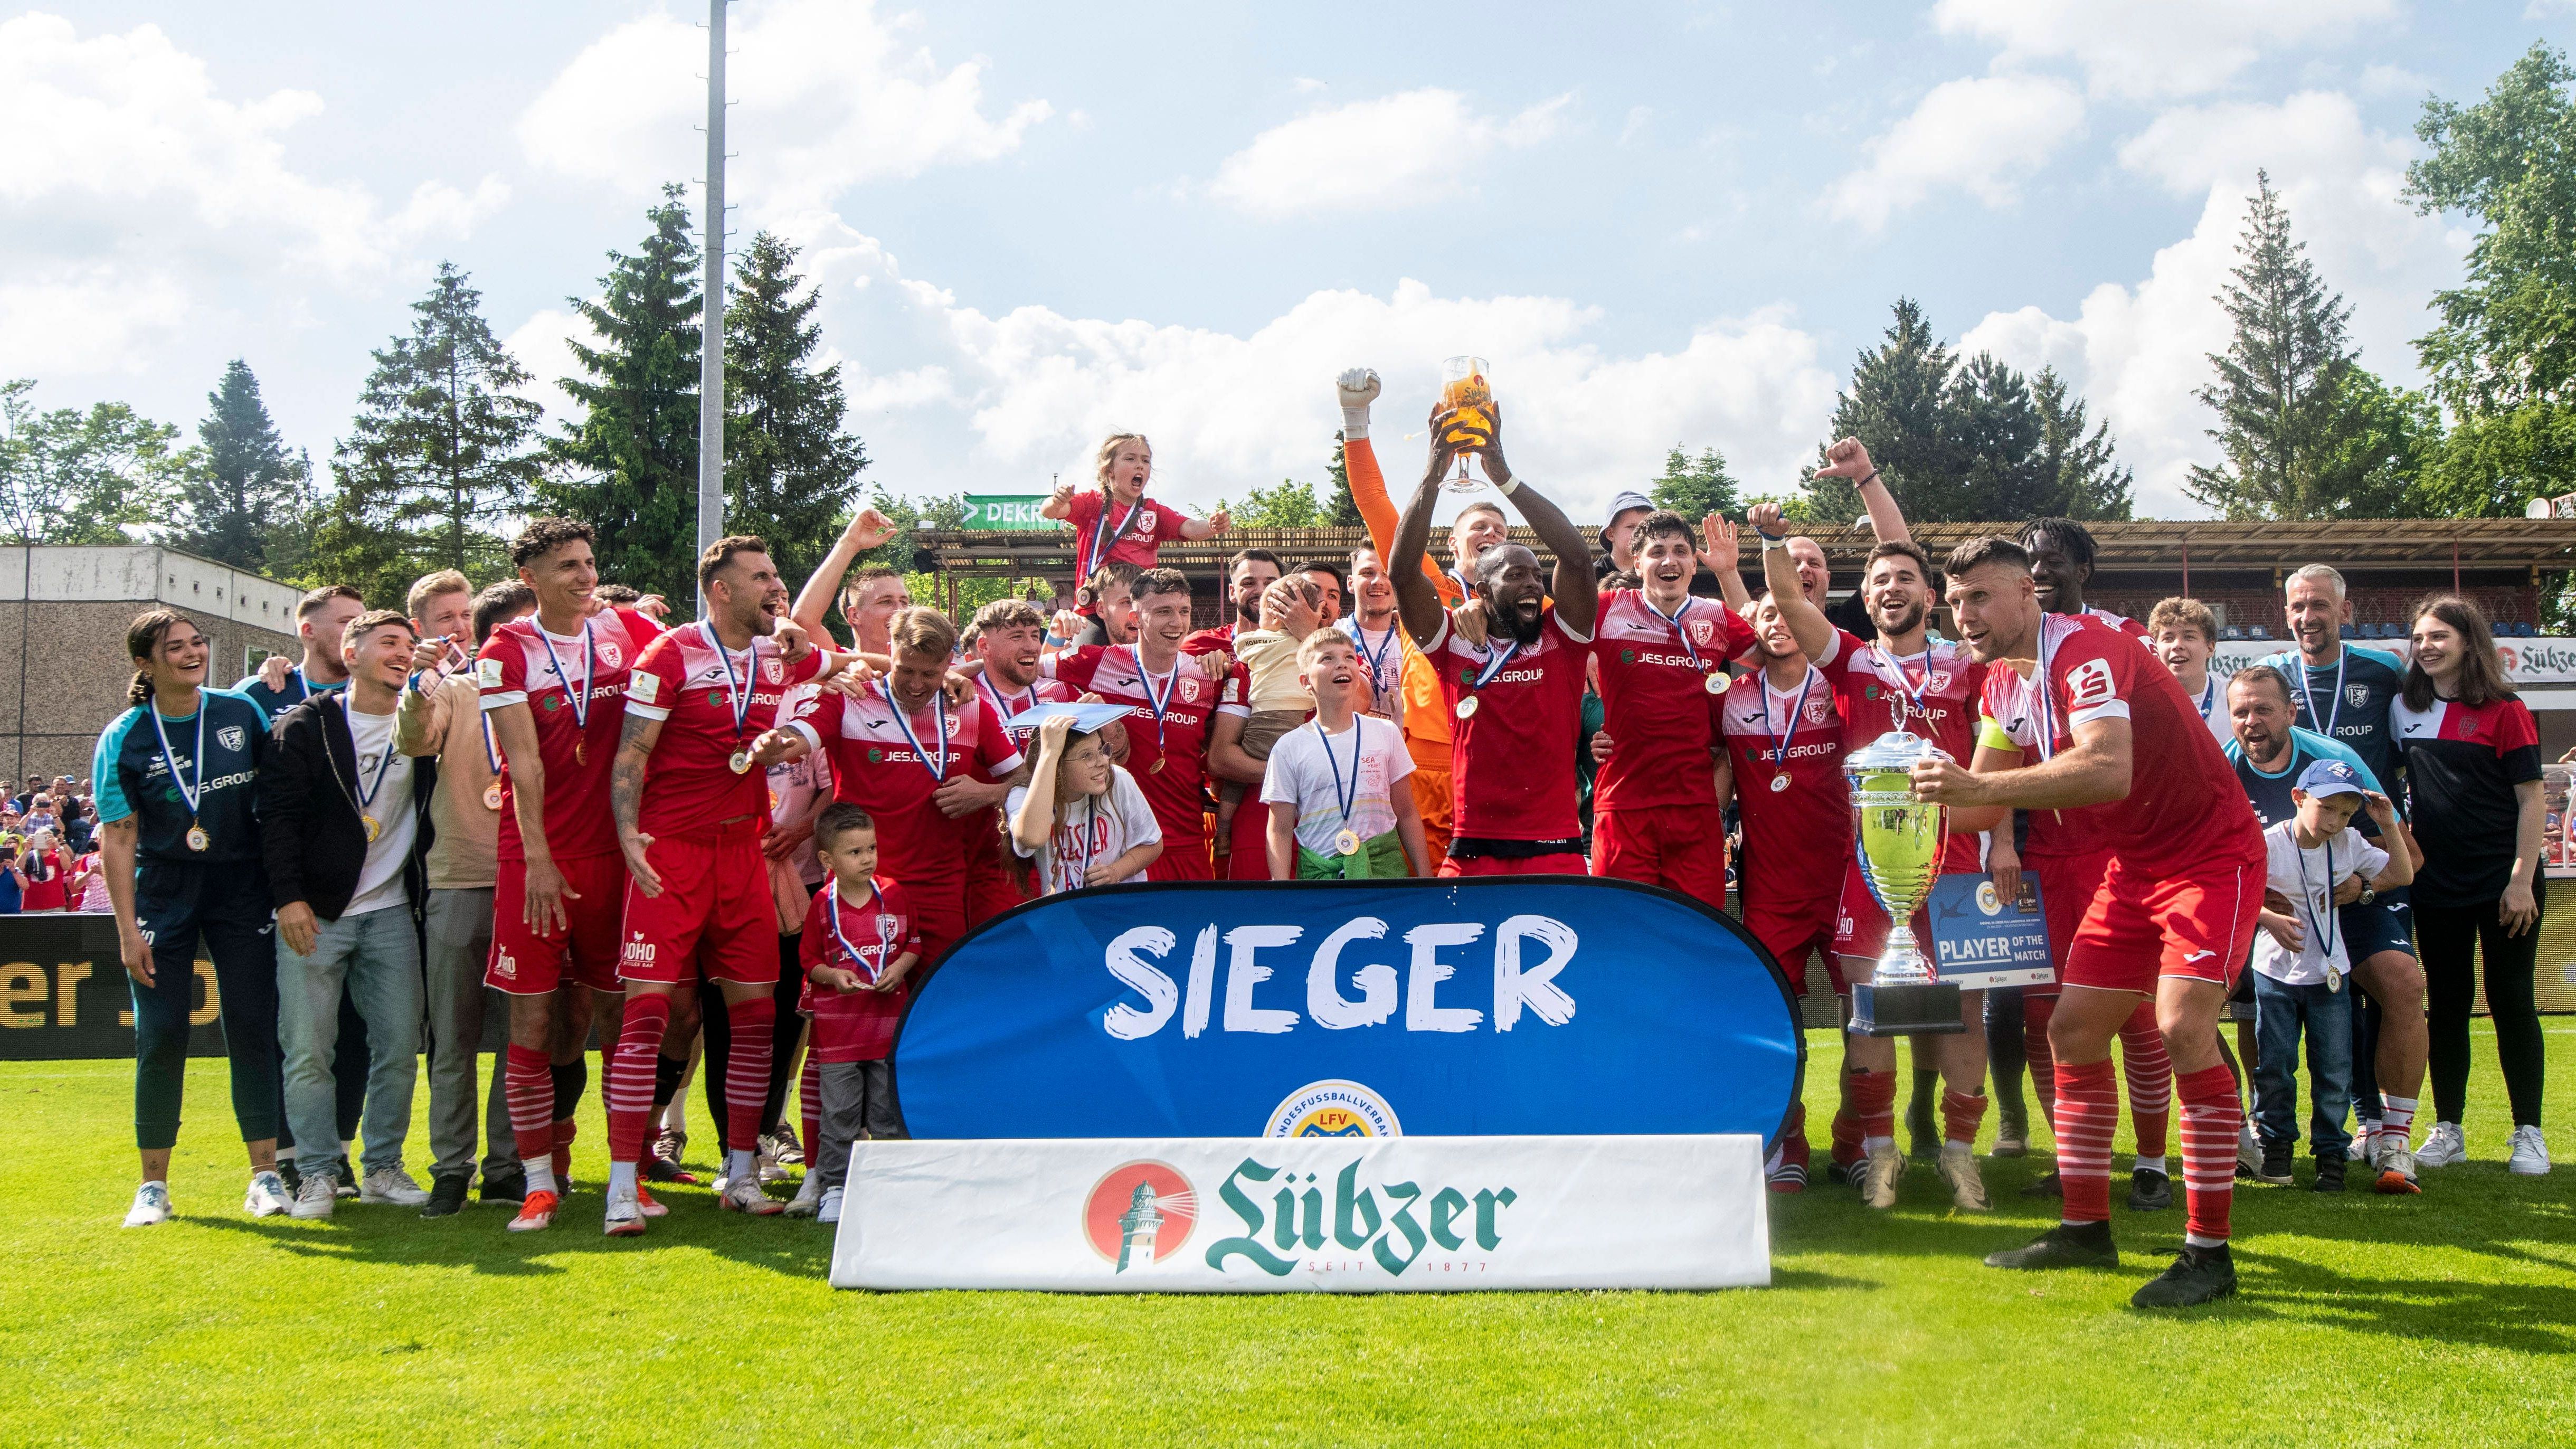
1354, 1215
1535, 1006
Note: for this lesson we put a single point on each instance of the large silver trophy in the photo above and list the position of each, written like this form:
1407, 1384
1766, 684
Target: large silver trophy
1899, 839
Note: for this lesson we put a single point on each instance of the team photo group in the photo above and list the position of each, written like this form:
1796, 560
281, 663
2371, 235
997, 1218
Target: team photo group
708, 849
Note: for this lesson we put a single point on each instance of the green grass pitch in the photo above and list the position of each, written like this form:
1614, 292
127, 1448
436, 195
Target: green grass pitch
2447, 1318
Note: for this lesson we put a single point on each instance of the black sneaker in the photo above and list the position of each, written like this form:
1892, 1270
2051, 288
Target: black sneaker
2049, 1186
2329, 1174
344, 1177
2068, 1245
2197, 1276
2276, 1163
1921, 1127
509, 1185
447, 1194
2150, 1191
294, 1179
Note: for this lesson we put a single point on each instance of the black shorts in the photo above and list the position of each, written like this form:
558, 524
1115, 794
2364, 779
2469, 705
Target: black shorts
2386, 924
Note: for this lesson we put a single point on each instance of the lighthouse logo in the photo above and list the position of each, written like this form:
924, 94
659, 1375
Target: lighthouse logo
1139, 1214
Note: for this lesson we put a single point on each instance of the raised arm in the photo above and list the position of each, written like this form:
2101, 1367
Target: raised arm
1725, 558
1357, 388
1415, 597
1807, 623
866, 530
1848, 459
1577, 599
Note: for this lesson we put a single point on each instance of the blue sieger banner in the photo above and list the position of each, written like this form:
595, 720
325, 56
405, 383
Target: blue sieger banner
1537, 1006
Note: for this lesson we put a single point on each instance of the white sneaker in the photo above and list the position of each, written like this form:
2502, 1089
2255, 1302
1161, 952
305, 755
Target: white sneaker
151, 1205
267, 1195
2443, 1147
743, 1195
2356, 1149
315, 1196
831, 1208
2249, 1151
625, 1217
392, 1185
1958, 1167
809, 1196
1879, 1174
2530, 1153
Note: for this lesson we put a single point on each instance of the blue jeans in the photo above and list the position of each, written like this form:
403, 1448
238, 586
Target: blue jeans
376, 956
2280, 1012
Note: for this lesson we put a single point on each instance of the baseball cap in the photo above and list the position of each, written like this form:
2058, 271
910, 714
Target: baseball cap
1626, 503
2331, 777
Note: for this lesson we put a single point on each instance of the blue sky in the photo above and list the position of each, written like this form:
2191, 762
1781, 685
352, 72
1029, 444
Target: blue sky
1664, 223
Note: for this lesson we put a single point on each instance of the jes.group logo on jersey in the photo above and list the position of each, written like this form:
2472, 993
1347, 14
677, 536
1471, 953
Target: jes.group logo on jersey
1333, 1108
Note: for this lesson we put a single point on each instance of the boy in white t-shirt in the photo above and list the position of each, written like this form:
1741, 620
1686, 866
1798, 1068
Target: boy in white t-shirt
2300, 964
1080, 820
1335, 810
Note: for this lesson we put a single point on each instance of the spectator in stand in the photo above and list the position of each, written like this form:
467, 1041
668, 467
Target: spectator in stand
44, 875
2473, 768
10, 891
89, 885
80, 820
40, 815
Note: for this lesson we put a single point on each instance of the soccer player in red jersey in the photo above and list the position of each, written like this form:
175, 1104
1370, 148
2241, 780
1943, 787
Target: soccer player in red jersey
1177, 700
1784, 744
2116, 740
691, 798
1899, 680
1662, 654
2061, 564
1248, 575
1516, 696
1010, 643
554, 687
929, 776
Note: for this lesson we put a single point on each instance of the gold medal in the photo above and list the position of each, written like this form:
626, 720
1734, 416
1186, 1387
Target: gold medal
581, 753
492, 796
1715, 683
1347, 842
1467, 707
198, 839
1156, 768
373, 829
741, 762
1779, 782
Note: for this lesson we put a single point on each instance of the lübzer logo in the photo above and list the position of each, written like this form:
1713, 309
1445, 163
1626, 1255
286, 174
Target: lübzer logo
1333, 1108
1139, 1213
231, 737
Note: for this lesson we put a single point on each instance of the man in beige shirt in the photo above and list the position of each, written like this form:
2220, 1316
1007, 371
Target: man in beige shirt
441, 714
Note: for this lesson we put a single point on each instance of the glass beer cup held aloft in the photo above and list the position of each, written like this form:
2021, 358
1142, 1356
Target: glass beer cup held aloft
1464, 389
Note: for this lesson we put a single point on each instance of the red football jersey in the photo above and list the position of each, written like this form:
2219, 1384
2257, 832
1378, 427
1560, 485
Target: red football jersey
882, 760
2185, 808
689, 681
865, 937
1933, 694
1797, 837
1654, 697
2121, 622
1127, 534
1192, 699
1002, 703
1511, 768
523, 664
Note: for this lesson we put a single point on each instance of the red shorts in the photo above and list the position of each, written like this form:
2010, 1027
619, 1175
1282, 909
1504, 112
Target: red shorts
525, 961
715, 916
1678, 847
1793, 933
2067, 885
1182, 859
2196, 924
990, 889
942, 912
1564, 862
1249, 846
1860, 927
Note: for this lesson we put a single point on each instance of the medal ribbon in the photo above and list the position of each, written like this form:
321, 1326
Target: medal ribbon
740, 692
935, 761
2208, 696
1100, 526
367, 793
1000, 703
1914, 693
2047, 708
2325, 934
885, 943
580, 698
1780, 743
1157, 702
491, 751
190, 792
1496, 665
1080, 875
2308, 693
1376, 660
1675, 619
1342, 801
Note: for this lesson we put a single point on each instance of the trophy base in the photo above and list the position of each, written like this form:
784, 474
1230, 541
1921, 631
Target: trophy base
1929, 1008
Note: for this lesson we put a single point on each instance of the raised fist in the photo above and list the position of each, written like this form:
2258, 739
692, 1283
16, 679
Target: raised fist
1764, 516
1846, 459
1358, 386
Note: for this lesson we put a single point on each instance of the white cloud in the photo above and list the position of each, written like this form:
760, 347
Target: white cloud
2150, 48
541, 344
1981, 135
827, 97
2139, 352
1399, 150
135, 196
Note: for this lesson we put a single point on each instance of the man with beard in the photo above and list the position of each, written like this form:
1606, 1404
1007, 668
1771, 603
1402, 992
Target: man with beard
2344, 692
2098, 730
1108, 609
1247, 574
1010, 641
1518, 696
1901, 680
1332, 584
1846, 458
689, 793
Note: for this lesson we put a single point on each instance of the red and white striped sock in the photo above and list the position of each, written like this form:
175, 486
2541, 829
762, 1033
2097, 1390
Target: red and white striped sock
528, 1086
1874, 1107
2149, 1072
2396, 1117
2210, 1119
1793, 1138
2036, 1012
1961, 1116
629, 1093
809, 1096
747, 1068
2088, 1114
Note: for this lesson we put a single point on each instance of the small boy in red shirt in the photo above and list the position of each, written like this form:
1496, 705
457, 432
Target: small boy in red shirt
859, 944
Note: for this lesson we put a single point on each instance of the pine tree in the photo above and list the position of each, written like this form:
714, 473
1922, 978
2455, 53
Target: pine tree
1896, 404
439, 457
2284, 423
791, 474
1695, 487
1343, 511
2082, 477
245, 492
629, 466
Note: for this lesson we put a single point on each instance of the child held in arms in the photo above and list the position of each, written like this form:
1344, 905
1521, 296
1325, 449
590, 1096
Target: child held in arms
2302, 970
1080, 820
1116, 522
859, 944
1277, 695
1339, 809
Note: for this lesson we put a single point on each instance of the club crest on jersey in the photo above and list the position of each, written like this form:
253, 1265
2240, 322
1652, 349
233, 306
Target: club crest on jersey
231, 737
1936, 683
1144, 517
1702, 631
1816, 709
1190, 690
2356, 695
773, 671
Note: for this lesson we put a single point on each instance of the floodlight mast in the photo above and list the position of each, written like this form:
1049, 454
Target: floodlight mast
711, 391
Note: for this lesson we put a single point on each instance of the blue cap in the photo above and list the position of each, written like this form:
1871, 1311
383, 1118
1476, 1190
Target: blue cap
2331, 777
1086, 717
